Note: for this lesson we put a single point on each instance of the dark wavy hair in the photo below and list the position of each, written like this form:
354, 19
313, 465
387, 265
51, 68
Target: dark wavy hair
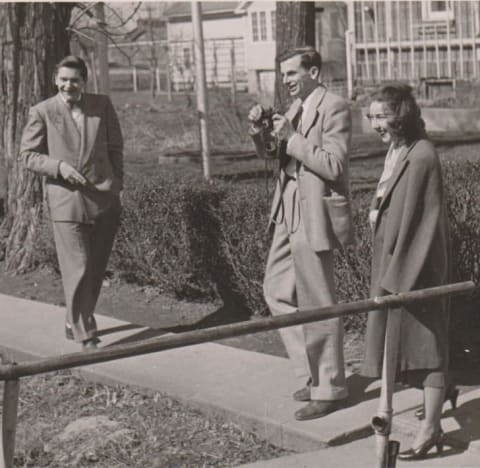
72, 61
309, 57
407, 122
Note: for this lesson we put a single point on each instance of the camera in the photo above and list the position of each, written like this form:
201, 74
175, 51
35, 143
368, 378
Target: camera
264, 123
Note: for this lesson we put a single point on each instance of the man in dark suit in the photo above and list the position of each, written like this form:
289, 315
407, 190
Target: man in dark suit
74, 140
314, 136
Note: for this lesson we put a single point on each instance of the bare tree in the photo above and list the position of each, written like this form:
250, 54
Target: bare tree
33, 37
295, 27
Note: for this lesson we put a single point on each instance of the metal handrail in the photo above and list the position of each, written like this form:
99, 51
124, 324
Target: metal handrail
162, 343
12, 372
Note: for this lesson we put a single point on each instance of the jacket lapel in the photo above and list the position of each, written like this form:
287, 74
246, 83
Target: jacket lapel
90, 125
309, 117
63, 121
293, 109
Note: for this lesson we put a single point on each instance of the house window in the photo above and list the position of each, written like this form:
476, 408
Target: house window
259, 26
255, 27
433, 10
273, 19
263, 26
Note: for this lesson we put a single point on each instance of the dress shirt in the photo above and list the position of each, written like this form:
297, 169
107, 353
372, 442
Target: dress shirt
76, 111
291, 168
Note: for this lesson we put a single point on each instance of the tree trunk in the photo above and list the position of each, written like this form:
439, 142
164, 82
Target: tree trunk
33, 37
295, 25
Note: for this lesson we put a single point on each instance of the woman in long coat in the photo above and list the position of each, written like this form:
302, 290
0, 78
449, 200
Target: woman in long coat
410, 251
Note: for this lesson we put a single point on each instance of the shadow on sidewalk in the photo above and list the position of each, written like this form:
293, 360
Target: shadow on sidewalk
225, 315
467, 417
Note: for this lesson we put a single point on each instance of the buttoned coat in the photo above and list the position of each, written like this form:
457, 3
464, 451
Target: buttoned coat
96, 151
411, 251
321, 149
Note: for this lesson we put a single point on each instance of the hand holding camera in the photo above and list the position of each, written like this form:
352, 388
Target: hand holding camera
262, 130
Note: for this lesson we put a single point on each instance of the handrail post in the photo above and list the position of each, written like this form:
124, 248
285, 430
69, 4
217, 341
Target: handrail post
11, 391
382, 423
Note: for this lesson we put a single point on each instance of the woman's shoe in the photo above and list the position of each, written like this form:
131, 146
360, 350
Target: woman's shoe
451, 395
419, 453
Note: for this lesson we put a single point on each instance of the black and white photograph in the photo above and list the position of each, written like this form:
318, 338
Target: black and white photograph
240, 234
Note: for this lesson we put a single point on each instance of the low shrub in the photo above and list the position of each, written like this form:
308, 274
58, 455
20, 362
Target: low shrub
162, 239
201, 241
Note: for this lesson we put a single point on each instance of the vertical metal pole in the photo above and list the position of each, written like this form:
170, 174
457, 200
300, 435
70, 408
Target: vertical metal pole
9, 421
412, 46
169, 81
134, 78
474, 7
94, 71
437, 51
201, 88
425, 71
233, 74
364, 38
157, 80
388, 17
377, 49
460, 14
348, 49
102, 47
352, 51
382, 422
449, 50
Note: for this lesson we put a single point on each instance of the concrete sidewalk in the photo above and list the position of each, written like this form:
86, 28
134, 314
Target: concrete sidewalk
249, 388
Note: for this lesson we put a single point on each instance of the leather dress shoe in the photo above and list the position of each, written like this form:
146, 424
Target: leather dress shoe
69, 333
91, 343
317, 409
304, 393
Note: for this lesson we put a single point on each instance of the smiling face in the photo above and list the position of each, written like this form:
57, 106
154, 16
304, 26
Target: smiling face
381, 118
299, 81
70, 83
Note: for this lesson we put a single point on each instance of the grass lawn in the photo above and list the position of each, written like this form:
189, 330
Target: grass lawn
66, 421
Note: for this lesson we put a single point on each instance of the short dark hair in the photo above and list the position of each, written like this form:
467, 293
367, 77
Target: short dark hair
309, 57
407, 122
72, 61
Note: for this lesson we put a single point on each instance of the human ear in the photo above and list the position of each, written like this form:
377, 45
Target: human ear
314, 73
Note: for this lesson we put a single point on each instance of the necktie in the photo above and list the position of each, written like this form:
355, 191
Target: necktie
76, 112
285, 159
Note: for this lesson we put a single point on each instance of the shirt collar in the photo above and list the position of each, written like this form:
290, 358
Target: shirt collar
306, 104
78, 101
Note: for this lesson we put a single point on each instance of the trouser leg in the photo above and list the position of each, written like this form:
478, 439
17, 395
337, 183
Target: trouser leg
72, 241
324, 339
299, 278
101, 242
280, 295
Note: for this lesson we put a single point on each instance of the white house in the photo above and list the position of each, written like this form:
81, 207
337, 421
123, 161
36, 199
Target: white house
241, 35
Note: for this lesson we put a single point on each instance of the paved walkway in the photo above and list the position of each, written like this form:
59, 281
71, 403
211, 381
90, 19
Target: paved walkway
249, 388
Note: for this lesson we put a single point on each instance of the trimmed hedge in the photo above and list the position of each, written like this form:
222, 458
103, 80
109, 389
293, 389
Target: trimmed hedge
203, 242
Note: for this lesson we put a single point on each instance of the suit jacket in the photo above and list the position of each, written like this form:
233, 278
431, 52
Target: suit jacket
411, 250
96, 151
322, 152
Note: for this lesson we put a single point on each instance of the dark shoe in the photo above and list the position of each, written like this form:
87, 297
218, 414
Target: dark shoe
304, 393
91, 343
317, 409
69, 332
451, 395
437, 440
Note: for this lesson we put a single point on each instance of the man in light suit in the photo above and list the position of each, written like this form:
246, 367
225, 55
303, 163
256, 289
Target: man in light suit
314, 136
74, 140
